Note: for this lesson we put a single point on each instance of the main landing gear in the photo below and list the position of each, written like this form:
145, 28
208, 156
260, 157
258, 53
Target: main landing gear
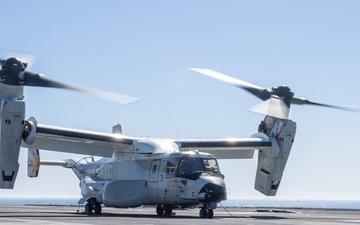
164, 209
167, 210
92, 207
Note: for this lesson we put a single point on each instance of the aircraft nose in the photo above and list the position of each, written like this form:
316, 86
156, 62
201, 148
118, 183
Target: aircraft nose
212, 192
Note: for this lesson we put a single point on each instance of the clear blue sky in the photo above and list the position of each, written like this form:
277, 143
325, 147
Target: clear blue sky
143, 49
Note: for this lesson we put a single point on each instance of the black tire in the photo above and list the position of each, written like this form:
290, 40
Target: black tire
160, 210
203, 213
210, 214
168, 210
97, 209
88, 209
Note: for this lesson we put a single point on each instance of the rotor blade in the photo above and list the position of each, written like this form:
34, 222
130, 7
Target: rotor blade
260, 92
272, 107
304, 101
39, 80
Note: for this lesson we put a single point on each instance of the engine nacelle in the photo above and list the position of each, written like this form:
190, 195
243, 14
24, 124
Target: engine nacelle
271, 166
11, 130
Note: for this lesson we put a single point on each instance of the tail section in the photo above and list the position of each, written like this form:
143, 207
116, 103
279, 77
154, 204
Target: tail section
271, 166
91, 185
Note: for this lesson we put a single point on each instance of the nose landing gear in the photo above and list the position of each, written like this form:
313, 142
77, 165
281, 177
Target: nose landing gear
206, 212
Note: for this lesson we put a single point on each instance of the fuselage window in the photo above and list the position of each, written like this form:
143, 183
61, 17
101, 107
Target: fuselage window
154, 169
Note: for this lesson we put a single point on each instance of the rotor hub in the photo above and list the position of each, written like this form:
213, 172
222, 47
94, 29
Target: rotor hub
12, 70
283, 92
13, 63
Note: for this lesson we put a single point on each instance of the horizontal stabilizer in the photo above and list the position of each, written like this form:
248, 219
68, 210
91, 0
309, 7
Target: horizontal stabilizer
34, 163
55, 163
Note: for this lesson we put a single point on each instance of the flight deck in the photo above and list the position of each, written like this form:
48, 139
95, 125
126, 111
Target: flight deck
48, 214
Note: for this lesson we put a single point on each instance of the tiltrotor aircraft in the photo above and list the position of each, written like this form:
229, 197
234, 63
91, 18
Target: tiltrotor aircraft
136, 171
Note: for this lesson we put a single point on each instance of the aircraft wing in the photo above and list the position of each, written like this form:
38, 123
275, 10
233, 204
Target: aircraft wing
79, 141
228, 148
104, 144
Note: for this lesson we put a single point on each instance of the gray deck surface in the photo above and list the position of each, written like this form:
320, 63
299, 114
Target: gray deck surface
74, 215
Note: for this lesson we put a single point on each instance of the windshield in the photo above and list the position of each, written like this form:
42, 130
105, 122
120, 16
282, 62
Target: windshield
190, 164
211, 165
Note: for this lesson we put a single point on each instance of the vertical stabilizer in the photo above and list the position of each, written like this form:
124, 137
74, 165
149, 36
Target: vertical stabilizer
33, 162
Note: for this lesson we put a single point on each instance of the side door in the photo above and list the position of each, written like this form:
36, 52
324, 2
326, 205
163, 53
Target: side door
155, 182
154, 171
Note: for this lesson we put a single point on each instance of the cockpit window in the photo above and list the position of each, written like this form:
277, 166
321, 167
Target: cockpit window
211, 165
189, 165
172, 162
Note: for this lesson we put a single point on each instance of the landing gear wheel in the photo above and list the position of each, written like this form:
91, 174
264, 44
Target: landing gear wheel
160, 210
164, 210
202, 213
97, 208
88, 208
206, 213
92, 207
210, 214
168, 210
